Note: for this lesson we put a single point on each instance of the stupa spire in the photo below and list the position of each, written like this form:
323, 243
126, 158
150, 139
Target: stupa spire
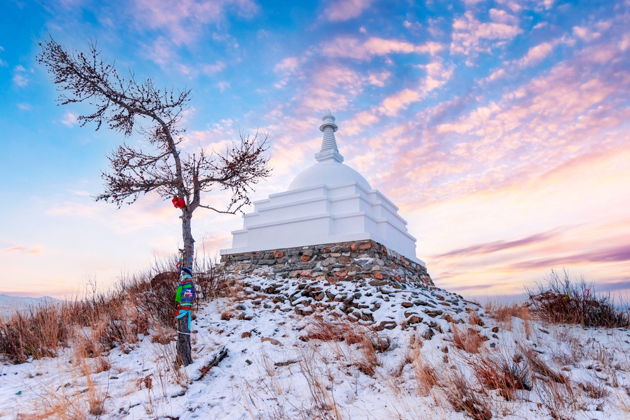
329, 149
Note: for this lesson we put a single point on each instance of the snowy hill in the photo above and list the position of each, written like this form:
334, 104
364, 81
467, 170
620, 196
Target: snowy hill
345, 350
10, 304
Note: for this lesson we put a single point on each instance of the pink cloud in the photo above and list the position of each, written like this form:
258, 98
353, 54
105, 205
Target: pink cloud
393, 104
378, 78
526, 127
350, 47
150, 210
183, 19
585, 34
501, 16
436, 76
70, 119
470, 35
212, 245
213, 68
20, 249
331, 87
537, 53
359, 122
288, 64
340, 10
533, 56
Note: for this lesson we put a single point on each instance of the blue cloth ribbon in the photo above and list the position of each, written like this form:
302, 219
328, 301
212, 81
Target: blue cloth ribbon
182, 313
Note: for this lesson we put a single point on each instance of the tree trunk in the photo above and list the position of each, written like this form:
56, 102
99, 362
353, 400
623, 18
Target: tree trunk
184, 354
189, 241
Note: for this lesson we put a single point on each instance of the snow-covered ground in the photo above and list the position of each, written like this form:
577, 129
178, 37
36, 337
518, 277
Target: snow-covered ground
275, 369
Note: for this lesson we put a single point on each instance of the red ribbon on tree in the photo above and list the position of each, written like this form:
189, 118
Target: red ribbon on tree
178, 202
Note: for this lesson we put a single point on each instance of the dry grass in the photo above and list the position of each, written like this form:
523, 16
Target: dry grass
463, 397
95, 398
324, 404
368, 361
55, 405
558, 399
469, 340
474, 319
594, 391
369, 342
504, 314
163, 335
102, 321
500, 373
537, 365
563, 300
325, 330
425, 374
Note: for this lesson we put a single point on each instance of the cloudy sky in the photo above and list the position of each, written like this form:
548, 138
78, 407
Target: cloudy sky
500, 128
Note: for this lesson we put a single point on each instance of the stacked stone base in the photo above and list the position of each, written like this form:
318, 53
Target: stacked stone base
344, 261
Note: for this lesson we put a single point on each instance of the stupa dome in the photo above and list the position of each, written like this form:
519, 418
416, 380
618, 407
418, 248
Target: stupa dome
329, 173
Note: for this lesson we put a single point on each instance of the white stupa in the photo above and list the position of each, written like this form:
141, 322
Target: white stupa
327, 203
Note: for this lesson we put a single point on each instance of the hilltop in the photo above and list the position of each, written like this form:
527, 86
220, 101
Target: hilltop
303, 348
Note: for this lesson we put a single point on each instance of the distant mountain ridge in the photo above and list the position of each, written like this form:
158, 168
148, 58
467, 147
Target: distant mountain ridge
10, 304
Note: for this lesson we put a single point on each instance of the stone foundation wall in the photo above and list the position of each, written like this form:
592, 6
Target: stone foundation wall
344, 261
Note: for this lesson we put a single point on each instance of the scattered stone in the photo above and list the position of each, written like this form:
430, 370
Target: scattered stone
448, 318
387, 325
381, 343
428, 334
286, 363
377, 283
433, 312
270, 340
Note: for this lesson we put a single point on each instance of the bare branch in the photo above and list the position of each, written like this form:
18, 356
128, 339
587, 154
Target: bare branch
126, 105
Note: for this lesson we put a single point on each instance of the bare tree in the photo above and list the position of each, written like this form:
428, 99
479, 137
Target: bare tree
128, 106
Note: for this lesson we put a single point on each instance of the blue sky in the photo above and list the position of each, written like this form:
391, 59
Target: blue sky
500, 128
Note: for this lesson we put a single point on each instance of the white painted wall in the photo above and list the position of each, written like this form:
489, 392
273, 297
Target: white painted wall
323, 214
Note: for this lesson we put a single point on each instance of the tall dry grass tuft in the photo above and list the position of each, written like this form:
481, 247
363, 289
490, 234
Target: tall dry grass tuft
324, 404
137, 305
537, 365
424, 372
368, 341
558, 399
500, 373
563, 300
463, 397
55, 405
469, 340
505, 313
325, 330
368, 361
37, 334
